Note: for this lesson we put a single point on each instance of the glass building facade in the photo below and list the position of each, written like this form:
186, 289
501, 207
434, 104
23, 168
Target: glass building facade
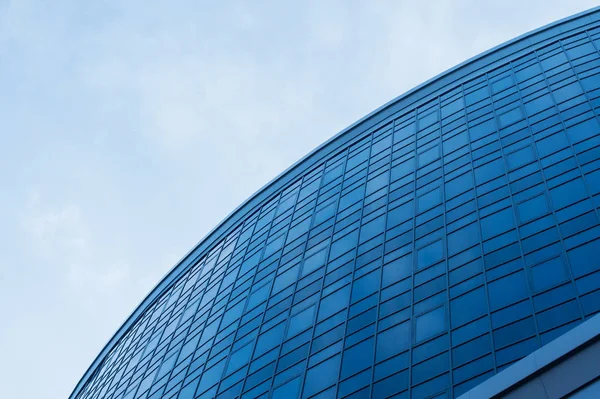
416, 254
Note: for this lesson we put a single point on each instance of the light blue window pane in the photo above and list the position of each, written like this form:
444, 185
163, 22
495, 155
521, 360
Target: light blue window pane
301, 321
321, 376
429, 156
430, 324
430, 254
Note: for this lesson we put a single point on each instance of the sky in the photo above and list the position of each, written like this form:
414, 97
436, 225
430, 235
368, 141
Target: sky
129, 129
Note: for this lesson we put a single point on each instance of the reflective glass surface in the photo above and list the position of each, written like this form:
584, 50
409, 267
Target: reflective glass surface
445, 242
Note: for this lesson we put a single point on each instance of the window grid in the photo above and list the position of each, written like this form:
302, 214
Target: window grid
553, 213
481, 251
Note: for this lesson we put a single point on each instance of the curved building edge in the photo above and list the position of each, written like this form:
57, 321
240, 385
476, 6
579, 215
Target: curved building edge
397, 106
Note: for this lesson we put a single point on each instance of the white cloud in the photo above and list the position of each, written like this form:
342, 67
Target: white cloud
64, 239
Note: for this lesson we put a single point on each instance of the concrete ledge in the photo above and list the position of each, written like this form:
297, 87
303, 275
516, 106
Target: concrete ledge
527, 368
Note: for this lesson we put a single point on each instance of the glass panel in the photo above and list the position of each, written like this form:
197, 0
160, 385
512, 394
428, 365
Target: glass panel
430, 324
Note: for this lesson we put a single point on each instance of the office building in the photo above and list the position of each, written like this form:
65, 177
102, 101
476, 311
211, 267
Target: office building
447, 244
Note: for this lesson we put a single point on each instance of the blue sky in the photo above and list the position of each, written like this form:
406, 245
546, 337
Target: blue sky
131, 128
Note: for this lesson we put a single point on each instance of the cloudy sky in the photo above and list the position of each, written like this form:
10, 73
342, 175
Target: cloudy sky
131, 128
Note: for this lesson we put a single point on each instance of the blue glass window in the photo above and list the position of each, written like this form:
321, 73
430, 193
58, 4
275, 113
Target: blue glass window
539, 104
357, 357
583, 130
429, 156
585, 259
239, 358
187, 392
314, 262
456, 142
301, 321
552, 144
397, 270
568, 193
400, 214
430, 324
468, 307
334, 303
489, 171
393, 341
472, 350
365, 286
459, 185
377, 183
566, 92
391, 385
476, 96
371, 229
211, 376
532, 208
290, 389
463, 239
451, 108
434, 385
507, 290
548, 274
430, 254
502, 84
343, 245
354, 384
497, 223
322, 376
430, 199
510, 117
593, 182
482, 130
270, 339
520, 157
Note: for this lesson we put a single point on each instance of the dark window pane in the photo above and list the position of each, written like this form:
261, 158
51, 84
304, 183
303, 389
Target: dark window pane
463, 239
585, 259
393, 341
468, 307
548, 274
497, 223
507, 290
357, 358
568, 193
